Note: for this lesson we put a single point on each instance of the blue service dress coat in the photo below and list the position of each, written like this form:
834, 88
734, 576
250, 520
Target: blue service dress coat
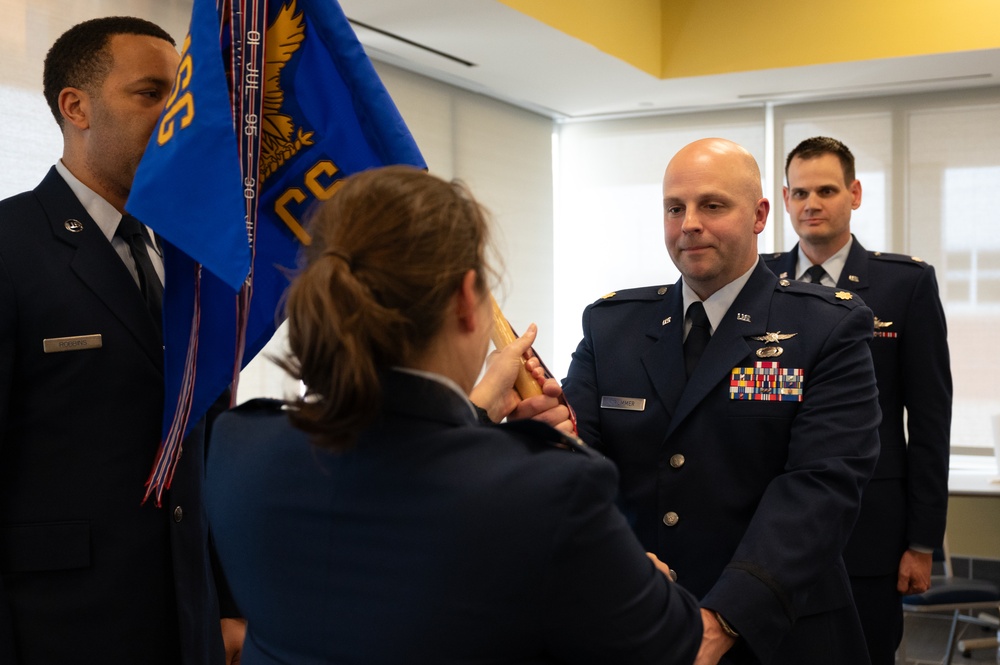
749, 495
87, 573
907, 499
434, 540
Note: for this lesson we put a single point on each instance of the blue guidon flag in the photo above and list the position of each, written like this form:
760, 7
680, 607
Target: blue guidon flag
274, 103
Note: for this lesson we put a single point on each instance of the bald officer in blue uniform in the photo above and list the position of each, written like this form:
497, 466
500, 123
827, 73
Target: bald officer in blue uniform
905, 506
746, 477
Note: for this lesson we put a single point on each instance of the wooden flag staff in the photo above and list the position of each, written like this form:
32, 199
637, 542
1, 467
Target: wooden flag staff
502, 335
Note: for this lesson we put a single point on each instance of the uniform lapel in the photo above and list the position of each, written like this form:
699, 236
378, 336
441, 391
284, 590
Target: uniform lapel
97, 264
854, 276
746, 317
664, 360
785, 267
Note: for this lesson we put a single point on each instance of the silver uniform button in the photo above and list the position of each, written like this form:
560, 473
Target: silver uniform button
677, 461
178, 514
671, 518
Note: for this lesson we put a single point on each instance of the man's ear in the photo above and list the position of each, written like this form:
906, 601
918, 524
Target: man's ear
74, 105
855, 189
468, 299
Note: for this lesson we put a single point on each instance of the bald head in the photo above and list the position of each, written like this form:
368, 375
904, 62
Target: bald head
722, 157
713, 209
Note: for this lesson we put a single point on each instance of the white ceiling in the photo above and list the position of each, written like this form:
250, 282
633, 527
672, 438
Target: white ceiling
524, 62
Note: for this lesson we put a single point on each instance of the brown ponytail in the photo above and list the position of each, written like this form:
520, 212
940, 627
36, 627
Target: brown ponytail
389, 251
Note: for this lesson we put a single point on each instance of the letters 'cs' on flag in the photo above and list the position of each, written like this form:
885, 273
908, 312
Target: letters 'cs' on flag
322, 114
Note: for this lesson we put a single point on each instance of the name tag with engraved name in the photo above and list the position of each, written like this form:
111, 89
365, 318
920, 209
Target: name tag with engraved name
77, 343
623, 403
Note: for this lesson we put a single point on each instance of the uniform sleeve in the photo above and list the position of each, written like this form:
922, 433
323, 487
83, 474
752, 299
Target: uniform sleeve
580, 387
607, 603
927, 396
806, 514
8, 340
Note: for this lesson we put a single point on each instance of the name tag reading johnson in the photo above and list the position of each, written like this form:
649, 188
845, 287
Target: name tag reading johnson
77, 343
623, 403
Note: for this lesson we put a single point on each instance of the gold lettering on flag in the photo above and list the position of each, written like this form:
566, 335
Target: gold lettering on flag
184, 104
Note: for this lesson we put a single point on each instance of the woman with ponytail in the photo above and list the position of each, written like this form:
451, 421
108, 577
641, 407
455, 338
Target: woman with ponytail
376, 518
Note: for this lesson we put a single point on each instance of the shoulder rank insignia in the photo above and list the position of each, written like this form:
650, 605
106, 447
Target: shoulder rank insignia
844, 295
609, 295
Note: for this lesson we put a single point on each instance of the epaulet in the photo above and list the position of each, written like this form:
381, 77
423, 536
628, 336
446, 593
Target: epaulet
835, 296
539, 432
899, 258
641, 293
260, 404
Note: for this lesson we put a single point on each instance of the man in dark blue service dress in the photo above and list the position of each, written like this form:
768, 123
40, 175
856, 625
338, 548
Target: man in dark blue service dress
904, 507
88, 573
743, 445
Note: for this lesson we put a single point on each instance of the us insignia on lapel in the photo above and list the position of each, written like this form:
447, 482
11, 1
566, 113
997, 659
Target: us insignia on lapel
767, 382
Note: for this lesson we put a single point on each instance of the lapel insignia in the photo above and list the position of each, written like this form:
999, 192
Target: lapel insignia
783, 275
743, 317
853, 278
844, 295
73, 225
666, 321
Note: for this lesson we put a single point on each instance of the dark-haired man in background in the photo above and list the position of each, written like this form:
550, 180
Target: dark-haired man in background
904, 507
88, 574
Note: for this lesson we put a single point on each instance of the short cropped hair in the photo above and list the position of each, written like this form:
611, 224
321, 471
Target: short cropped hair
80, 58
818, 146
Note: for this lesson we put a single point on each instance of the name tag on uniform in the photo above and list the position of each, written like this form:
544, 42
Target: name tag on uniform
623, 403
77, 343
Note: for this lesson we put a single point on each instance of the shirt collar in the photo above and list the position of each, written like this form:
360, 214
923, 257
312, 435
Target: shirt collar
833, 265
719, 302
102, 212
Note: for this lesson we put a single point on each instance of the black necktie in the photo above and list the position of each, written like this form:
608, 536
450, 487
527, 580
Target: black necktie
134, 234
815, 274
698, 336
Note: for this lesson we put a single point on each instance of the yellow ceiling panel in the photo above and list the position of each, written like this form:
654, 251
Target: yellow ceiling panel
678, 38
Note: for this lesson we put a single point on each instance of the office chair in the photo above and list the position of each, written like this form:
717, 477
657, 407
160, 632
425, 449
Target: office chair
954, 595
